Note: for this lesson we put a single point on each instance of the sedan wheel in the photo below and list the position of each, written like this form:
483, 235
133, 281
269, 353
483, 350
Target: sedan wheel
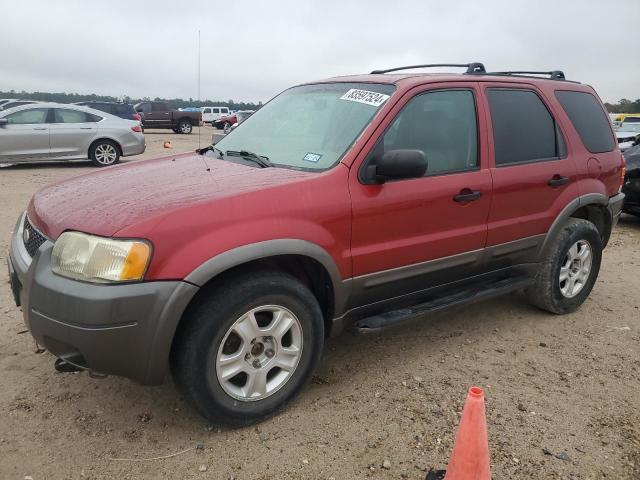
104, 154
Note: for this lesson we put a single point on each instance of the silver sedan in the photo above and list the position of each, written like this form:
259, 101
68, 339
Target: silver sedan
57, 132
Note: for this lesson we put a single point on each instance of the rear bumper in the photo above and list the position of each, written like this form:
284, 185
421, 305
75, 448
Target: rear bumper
615, 207
121, 330
134, 146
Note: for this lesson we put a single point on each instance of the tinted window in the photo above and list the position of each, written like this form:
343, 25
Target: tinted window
71, 116
36, 115
441, 124
631, 120
523, 128
589, 119
159, 107
122, 108
143, 107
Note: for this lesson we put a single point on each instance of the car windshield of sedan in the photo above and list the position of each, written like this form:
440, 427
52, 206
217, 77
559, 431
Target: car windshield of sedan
309, 127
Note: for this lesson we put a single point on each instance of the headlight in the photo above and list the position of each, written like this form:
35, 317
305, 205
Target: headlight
97, 259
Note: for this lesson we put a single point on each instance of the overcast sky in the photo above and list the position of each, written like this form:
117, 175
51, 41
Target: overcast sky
251, 50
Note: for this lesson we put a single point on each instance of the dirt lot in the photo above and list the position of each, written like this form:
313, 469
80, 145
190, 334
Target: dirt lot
568, 385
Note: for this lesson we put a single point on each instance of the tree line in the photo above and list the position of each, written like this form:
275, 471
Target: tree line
60, 97
623, 106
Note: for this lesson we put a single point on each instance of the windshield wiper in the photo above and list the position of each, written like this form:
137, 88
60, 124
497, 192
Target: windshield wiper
254, 157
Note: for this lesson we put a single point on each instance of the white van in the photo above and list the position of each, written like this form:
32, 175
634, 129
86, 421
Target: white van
211, 114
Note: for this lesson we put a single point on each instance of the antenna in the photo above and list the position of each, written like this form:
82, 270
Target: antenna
199, 128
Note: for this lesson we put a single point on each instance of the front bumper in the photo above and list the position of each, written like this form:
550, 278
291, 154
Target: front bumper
123, 330
631, 189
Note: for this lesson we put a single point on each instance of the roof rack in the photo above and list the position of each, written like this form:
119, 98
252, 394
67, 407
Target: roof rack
475, 67
553, 74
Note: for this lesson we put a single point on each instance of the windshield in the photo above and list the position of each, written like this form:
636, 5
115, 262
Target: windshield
309, 127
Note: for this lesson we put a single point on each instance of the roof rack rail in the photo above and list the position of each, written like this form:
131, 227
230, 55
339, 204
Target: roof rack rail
474, 67
553, 74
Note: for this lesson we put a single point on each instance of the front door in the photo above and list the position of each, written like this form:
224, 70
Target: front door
25, 137
409, 235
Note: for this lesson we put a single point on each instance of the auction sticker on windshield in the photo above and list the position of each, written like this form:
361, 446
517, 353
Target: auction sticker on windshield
364, 96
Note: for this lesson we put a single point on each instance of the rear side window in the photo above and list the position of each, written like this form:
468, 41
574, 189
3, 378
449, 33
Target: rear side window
160, 107
72, 116
523, 129
588, 118
121, 109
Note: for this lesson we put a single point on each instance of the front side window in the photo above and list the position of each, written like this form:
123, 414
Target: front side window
309, 127
25, 117
523, 129
61, 115
160, 107
442, 124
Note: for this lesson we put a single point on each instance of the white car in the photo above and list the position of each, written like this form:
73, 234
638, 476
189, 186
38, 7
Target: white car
57, 131
211, 114
628, 135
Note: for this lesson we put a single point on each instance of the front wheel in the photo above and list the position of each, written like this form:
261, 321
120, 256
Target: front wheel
248, 348
104, 153
569, 270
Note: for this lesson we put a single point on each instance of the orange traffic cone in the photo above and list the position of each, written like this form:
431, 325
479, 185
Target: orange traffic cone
167, 145
470, 457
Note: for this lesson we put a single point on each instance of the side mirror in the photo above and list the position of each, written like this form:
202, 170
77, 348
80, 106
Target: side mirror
397, 165
3, 122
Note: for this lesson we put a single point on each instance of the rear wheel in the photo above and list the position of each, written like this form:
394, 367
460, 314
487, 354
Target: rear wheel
104, 153
570, 269
185, 127
247, 349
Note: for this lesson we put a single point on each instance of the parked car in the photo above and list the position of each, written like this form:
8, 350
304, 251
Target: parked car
211, 114
160, 115
225, 122
57, 131
5, 100
16, 103
239, 117
119, 109
631, 187
359, 202
628, 135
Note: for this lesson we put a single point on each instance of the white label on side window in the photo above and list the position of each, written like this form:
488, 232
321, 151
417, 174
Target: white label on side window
364, 96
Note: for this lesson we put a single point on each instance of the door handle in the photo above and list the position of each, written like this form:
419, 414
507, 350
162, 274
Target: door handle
39, 128
85, 128
467, 195
558, 181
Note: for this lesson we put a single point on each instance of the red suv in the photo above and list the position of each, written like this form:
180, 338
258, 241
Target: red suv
356, 201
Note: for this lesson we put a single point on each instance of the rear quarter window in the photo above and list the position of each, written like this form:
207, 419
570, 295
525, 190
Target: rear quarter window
588, 118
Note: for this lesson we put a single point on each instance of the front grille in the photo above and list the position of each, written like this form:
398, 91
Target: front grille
31, 237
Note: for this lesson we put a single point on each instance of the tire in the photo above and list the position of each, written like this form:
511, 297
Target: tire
561, 284
209, 334
227, 128
104, 153
184, 127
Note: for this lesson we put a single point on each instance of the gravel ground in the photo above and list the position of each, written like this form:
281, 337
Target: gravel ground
561, 392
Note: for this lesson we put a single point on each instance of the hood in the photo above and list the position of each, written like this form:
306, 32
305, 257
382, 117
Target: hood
106, 201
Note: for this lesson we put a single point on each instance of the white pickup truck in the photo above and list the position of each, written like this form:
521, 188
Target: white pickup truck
211, 114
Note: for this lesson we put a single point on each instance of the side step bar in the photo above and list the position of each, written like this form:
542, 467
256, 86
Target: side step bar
473, 294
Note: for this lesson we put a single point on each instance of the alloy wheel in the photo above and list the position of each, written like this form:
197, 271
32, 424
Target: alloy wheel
259, 353
575, 269
106, 154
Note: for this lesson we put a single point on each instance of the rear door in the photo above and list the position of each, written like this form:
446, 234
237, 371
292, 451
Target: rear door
25, 137
408, 235
533, 177
159, 116
71, 133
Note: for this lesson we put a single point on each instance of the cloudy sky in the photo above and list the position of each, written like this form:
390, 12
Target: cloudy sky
252, 49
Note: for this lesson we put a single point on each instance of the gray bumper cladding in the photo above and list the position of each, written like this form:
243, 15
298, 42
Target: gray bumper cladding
124, 329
